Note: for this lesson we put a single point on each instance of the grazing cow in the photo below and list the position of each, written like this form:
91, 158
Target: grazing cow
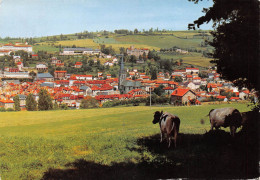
169, 125
225, 117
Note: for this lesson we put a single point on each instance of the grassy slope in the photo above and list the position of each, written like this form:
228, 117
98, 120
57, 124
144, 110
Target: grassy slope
191, 58
32, 142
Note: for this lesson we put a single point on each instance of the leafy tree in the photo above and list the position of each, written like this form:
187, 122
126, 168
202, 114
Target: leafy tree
235, 39
132, 59
144, 56
64, 106
153, 72
98, 63
17, 103
31, 104
178, 79
181, 61
55, 106
122, 50
89, 102
45, 101
154, 98
159, 90
90, 62
203, 87
150, 55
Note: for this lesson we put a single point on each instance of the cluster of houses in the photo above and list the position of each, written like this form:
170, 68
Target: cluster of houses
70, 89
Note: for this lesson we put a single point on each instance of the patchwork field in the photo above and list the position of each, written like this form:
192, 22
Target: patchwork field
97, 143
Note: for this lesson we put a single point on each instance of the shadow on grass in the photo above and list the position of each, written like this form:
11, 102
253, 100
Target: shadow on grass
211, 155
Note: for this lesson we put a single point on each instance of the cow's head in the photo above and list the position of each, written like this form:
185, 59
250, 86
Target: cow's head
156, 117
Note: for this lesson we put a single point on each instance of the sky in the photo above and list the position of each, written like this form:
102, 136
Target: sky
34, 18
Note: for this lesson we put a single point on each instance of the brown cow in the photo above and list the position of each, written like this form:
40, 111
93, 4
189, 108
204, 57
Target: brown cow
225, 117
169, 125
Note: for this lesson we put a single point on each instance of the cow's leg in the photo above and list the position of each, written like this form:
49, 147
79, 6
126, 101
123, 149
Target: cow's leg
211, 123
175, 138
233, 131
161, 136
169, 140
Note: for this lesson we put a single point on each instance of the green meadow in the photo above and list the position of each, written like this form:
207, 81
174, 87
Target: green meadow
103, 143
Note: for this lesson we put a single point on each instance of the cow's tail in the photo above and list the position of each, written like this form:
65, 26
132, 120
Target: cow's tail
177, 123
209, 112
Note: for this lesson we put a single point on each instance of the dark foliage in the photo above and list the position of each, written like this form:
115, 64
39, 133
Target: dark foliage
45, 101
31, 104
235, 38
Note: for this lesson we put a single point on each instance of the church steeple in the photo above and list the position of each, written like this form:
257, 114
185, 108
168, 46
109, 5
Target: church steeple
122, 74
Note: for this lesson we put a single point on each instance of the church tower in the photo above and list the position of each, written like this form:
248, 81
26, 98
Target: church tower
122, 75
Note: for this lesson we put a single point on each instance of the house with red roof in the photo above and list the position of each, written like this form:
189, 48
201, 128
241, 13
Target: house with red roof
108, 76
189, 77
137, 52
161, 82
19, 65
55, 61
82, 77
244, 94
221, 98
138, 93
17, 47
5, 52
182, 96
41, 67
34, 56
168, 90
78, 65
145, 77
7, 103
192, 71
196, 79
234, 99
60, 74
160, 77
213, 86
59, 64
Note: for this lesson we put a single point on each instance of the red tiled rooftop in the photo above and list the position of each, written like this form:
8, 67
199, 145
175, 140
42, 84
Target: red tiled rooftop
180, 92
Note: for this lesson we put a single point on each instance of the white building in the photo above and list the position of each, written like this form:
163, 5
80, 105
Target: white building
17, 75
41, 66
193, 71
80, 51
5, 52
181, 51
17, 47
84, 77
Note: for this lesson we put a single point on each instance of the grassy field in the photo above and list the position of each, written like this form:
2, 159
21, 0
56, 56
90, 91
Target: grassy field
159, 41
45, 47
60, 144
191, 58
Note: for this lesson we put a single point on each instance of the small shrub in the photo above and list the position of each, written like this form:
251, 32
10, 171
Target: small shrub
2, 109
64, 107
9, 109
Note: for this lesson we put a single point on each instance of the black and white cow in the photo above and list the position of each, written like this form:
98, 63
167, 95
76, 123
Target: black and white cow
169, 125
225, 117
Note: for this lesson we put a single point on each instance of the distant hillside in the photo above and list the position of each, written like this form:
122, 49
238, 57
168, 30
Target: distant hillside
191, 41
182, 39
